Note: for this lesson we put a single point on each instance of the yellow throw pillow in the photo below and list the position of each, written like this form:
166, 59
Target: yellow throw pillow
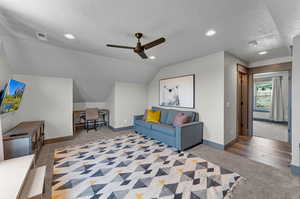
153, 116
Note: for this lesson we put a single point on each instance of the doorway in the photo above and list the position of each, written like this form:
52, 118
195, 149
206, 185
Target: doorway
270, 105
242, 100
264, 114
271, 95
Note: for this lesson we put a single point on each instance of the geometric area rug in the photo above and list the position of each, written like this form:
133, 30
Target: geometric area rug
135, 167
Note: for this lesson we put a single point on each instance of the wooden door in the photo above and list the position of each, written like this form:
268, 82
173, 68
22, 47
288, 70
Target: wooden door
242, 103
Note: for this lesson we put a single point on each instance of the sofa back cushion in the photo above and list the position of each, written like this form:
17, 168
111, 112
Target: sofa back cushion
167, 116
163, 114
171, 116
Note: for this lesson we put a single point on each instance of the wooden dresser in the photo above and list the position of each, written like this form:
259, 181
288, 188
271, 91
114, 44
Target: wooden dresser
24, 139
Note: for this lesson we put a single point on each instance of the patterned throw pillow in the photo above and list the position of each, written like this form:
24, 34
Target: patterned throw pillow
181, 119
153, 116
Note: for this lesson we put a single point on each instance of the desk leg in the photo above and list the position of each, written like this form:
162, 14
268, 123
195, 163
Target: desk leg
107, 123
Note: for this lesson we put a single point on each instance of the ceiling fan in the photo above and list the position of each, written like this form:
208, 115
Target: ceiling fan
140, 49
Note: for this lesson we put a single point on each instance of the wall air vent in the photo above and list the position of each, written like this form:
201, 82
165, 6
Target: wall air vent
42, 36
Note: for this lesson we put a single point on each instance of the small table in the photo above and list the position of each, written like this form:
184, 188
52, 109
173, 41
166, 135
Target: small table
91, 118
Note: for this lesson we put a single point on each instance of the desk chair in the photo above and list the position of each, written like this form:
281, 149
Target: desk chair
92, 116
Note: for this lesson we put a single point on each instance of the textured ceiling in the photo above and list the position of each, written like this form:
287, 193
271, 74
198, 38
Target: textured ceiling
183, 23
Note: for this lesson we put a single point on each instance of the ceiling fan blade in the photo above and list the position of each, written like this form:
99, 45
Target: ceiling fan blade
142, 54
154, 43
118, 46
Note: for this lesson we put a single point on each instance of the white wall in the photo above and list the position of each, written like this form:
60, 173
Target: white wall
1, 142
230, 97
85, 105
49, 99
124, 101
130, 99
296, 103
110, 103
5, 72
209, 91
5, 75
8, 120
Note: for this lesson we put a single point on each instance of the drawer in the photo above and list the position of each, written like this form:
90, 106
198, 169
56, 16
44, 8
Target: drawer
34, 185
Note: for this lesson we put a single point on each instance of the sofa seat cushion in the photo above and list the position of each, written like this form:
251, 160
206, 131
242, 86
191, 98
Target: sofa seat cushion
143, 124
167, 129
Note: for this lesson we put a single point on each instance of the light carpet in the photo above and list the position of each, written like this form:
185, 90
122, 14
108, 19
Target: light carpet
271, 130
132, 166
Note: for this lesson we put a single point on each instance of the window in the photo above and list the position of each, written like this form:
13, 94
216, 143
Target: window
263, 96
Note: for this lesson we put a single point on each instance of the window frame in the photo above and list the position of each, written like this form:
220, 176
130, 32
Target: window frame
257, 81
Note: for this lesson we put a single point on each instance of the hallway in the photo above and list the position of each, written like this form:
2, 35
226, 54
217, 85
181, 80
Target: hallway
270, 130
270, 152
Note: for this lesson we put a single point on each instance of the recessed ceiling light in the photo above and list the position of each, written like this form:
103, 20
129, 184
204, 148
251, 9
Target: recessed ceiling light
210, 33
69, 36
263, 53
152, 57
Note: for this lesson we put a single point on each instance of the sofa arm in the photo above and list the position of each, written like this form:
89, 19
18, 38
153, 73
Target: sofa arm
191, 124
188, 135
137, 117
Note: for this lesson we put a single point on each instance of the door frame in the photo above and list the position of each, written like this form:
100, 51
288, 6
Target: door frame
286, 66
241, 69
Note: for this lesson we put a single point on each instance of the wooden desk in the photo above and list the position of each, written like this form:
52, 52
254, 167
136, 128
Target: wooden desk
79, 118
13, 174
24, 139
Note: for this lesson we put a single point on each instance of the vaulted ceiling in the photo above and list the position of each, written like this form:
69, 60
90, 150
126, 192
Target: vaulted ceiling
94, 67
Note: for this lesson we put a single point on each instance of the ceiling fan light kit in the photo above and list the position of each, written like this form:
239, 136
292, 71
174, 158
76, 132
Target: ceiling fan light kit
140, 49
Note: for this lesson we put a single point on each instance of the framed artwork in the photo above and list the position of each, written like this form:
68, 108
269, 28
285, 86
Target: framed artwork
177, 92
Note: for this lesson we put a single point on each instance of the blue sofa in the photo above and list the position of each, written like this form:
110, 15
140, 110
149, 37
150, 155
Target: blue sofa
180, 137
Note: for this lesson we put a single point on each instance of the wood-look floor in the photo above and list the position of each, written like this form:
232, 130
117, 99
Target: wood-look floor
271, 152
